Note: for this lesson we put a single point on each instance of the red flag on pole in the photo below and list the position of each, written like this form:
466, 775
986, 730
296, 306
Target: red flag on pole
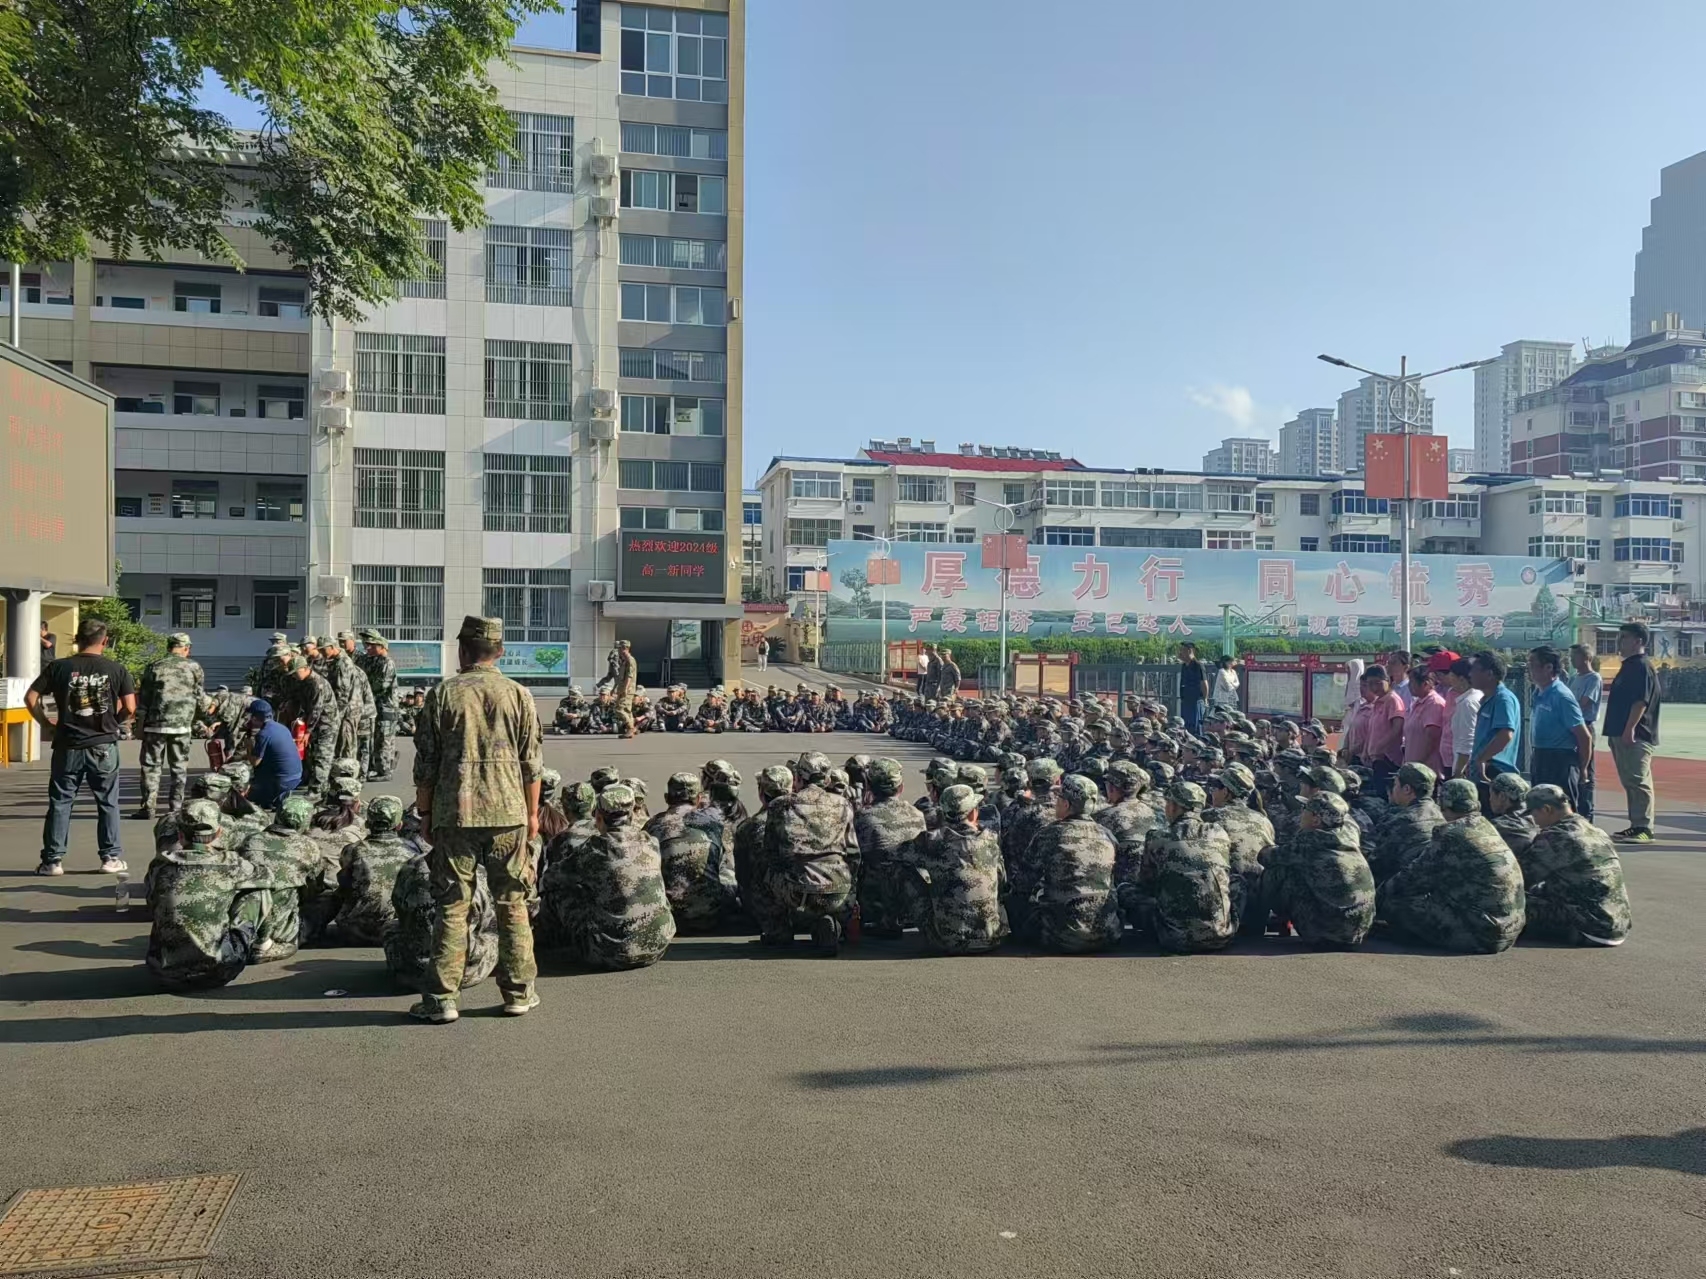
1430, 474
882, 572
1005, 550
1383, 466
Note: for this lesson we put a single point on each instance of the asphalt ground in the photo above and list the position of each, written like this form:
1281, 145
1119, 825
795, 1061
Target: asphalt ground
739, 1112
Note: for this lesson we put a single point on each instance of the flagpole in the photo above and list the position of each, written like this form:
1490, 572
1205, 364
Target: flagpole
1404, 506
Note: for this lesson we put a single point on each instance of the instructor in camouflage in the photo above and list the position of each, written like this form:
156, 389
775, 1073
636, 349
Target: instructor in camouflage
168, 700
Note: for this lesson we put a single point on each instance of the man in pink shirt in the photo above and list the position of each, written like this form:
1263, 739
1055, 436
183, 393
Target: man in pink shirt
1425, 723
1383, 745
1353, 741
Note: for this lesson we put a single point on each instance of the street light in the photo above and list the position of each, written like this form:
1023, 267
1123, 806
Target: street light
883, 670
1003, 524
1406, 385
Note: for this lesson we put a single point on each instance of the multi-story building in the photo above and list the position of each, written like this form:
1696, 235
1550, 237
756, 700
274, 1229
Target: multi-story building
1523, 368
751, 543
1461, 461
1241, 456
1640, 412
1670, 271
1366, 409
1309, 444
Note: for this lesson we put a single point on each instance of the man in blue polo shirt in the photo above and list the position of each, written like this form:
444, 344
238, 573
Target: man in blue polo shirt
278, 767
1498, 726
1563, 743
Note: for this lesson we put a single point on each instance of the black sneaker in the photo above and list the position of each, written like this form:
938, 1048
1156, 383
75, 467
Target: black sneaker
826, 936
142, 814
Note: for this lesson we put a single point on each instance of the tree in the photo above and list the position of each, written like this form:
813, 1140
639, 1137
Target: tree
129, 642
1545, 606
547, 659
375, 112
854, 581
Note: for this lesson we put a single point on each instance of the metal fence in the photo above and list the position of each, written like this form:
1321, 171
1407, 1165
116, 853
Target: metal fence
862, 658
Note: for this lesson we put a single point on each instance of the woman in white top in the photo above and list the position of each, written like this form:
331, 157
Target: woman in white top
1463, 716
1353, 686
1225, 690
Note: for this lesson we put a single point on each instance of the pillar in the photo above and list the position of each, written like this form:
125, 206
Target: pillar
23, 662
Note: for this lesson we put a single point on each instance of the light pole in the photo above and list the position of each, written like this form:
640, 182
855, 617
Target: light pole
1003, 524
1407, 411
883, 670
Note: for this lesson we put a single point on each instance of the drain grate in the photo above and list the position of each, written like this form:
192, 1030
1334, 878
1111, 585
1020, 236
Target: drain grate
143, 1223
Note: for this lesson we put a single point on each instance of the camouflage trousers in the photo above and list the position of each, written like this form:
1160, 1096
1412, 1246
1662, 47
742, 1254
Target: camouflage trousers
364, 743
784, 907
624, 715
1435, 922
349, 734
382, 750
281, 927
457, 854
322, 750
170, 751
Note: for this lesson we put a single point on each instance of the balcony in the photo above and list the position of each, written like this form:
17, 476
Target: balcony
235, 319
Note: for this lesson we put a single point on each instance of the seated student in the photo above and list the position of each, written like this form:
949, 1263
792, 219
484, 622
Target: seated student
1506, 793
1572, 876
1411, 819
811, 856
369, 873
1249, 834
1183, 895
673, 711
1068, 865
606, 896
1318, 878
887, 826
959, 865
408, 933
209, 905
698, 877
1464, 892
284, 849
752, 869
713, 715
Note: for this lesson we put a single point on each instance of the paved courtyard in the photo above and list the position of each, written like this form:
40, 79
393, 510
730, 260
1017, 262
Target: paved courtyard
737, 1112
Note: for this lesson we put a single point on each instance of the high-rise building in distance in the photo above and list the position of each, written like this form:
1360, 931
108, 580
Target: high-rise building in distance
1366, 409
1521, 369
1309, 444
1241, 456
1670, 268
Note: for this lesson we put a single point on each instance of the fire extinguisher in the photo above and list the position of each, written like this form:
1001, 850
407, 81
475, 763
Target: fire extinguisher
215, 754
299, 730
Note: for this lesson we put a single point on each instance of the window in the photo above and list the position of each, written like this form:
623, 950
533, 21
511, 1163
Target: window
1593, 548
965, 493
1552, 546
1309, 504
399, 488
1221, 498
399, 373
696, 477
1457, 508
680, 519
1657, 505
198, 399
1012, 494
1170, 497
675, 140
797, 576
1684, 645
528, 380
920, 531
434, 234
965, 536
283, 304
197, 299
865, 490
533, 603
1556, 502
526, 494
666, 304
141, 304
1308, 543
674, 192
813, 532
1264, 543
671, 53
672, 415
1356, 502
1179, 539
193, 603
1265, 503
1069, 493
527, 265
866, 531
281, 403
402, 604
277, 605
1117, 494
127, 507
921, 488
1605, 643
1691, 399
752, 514
819, 484
1228, 540
1647, 550
195, 499
673, 366
544, 158
279, 501
1058, 535
1360, 544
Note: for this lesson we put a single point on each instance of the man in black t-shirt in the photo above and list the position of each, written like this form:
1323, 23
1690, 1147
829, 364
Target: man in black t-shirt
91, 695
1193, 688
1632, 726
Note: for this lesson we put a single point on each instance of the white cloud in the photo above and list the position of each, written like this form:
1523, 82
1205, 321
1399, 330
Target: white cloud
1234, 403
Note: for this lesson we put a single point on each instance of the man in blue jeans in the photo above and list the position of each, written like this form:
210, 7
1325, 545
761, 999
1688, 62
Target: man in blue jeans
92, 695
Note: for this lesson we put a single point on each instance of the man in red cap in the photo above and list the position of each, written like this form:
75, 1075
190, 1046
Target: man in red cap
1438, 664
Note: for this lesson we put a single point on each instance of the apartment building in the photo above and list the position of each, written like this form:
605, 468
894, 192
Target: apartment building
1461, 461
751, 543
1522, 368
1367, 409
1242, 456
1309, 444
1670, 273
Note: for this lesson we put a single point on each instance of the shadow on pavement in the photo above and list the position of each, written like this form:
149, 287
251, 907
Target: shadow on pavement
1681, 1152
132, 948
116, 981
74, 1030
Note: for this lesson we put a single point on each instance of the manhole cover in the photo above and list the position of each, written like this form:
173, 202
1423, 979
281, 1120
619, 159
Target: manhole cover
83, 1226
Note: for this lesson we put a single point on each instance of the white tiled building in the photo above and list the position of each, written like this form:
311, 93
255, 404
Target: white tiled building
1522, 368
1309, 444
1242, 456
1367, 409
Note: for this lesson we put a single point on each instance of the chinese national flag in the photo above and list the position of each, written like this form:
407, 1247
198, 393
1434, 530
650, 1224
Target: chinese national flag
882, 572
1383, 467
1005, 550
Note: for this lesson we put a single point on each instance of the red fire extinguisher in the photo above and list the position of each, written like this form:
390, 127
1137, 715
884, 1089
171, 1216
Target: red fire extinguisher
215, 754
299, 730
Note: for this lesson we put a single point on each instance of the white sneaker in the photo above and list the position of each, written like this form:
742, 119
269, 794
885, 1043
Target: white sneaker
114, 865
517, 1005
50, 868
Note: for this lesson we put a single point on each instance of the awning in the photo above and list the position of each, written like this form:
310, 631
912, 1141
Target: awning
671, 610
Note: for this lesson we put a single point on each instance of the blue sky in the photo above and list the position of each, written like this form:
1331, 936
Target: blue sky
1124, 229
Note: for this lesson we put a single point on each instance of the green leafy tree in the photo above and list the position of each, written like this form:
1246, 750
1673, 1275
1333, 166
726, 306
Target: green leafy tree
375, 112
128, 642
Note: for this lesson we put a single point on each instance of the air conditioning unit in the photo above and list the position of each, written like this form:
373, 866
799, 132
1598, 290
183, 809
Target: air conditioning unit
601, 430
1266, 521
603, 400
332, 587
334, 381
600, 592
603, 208
601, 168
335, 419
858, 508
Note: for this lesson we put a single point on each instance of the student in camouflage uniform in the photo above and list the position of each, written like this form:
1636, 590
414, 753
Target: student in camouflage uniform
809, 842
368, 874
886, 828
1411, 819
1318, 878
1183, 894
270, 685
625, 673
988, 816
1249, 833
606, 897
1013, 783
477, 771
939, 774
1128, 818
362, 706
209, 905
225, 715
341, 674
1072, 903
721, 781
699, 880
962, 877
309, 698
752, 870
1506, 793
1572, 876
381, 674
168, 700
1018, 832
1464, 892
414, 916
284, 849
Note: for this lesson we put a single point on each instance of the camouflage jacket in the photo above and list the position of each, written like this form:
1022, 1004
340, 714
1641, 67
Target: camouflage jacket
1073, 897
270, 683
370, 871
229, 711
289, 855
1401, 837
170, 696
1574, 882
965, 881
1248, 832
477, 746
194, 892
310, 700
414, 915
1129, 822
1319, 880
1020, 826
381, 674
624, 673
1518, 830
361, 701
608, 897
749, 849
342, 675
1466, 889
1187, 874
886, 831
807, 838
699, 880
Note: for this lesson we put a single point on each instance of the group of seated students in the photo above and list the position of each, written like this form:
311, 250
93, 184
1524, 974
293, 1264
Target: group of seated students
805, 710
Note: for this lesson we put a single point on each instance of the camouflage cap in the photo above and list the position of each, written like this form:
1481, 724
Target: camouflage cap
941, 771
1329, 809
616, 798
1044, 772
241, 774
1546, 796
1187, 795
199, 821
385, 812
856, 766
343, 769
177, 639
1160, 773
681, 788
811, 766
1419, 778
345, 635
295, 813
1323, 755
837, 782
957, 801
279, 637
216, 786
550, 782
578, 799
1291, 758
299, 663
775, 780
1512, 786
1129, 776
605, 776
1354, 779
975, 776
637, 785
1236, 780
327, 641
1322, 777
1459, 796
1079, 791
884, 776
481, 628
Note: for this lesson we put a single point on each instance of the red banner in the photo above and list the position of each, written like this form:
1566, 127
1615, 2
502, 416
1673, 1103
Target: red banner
1005, 550
1383, 467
